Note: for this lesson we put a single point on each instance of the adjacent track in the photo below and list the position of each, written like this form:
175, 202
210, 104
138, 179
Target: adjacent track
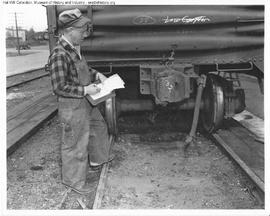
28, 76
25, 120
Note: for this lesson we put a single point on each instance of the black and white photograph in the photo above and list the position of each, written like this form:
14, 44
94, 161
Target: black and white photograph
157, 108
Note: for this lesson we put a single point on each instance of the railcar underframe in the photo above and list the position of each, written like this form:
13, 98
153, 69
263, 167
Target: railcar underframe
174, 57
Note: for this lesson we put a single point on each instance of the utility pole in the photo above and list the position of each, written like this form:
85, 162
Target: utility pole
17, 34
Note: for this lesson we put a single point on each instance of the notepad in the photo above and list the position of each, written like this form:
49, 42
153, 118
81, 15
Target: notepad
107, 88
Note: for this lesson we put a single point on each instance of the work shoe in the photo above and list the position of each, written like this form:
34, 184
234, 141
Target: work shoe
85, 189
99, 166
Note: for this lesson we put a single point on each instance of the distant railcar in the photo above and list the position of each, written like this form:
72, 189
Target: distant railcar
164, 53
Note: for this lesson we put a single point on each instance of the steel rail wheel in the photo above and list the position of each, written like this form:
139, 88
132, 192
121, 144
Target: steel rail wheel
212, 113
111, 115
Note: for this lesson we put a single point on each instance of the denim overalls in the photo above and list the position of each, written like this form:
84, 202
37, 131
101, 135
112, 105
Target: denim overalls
84, 132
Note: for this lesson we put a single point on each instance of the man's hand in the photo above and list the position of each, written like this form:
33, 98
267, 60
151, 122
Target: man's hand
100, 77
91, 89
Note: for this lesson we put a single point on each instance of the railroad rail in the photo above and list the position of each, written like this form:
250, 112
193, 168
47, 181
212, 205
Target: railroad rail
245, 149
25, 77
102, 182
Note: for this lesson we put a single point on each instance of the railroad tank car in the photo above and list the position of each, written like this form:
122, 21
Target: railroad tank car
174, 56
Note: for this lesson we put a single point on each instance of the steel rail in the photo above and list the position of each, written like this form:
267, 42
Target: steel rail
102, 182
25, 72
26, 80
254, 178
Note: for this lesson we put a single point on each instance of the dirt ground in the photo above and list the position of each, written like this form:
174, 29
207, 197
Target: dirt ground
34, 174
153, 170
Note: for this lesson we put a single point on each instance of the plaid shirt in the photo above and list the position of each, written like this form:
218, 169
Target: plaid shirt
64, 78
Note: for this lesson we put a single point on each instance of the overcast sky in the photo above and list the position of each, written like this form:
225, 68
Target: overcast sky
28, 16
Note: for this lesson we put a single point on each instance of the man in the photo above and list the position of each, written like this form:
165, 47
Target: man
71, 82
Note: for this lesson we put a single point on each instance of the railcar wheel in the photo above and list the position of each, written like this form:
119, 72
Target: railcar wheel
212, 113
110, 115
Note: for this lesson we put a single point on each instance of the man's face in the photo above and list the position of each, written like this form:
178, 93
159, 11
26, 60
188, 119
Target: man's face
78, 34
